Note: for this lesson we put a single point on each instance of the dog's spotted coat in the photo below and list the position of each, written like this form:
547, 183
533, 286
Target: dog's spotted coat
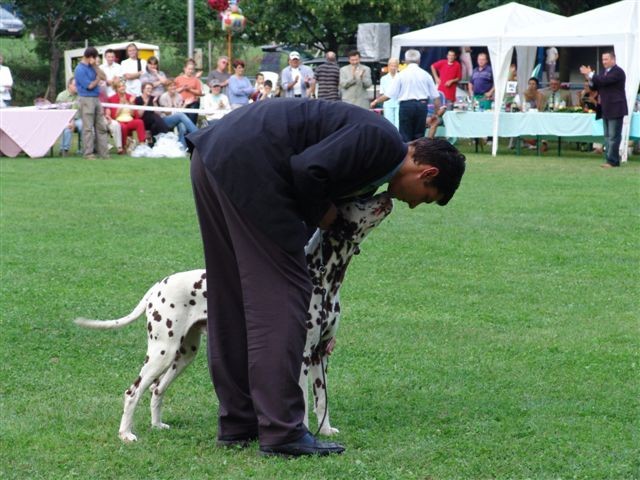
176, 312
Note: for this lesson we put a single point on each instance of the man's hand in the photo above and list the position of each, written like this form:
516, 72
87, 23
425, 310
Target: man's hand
328, 218
99, 73
584, 70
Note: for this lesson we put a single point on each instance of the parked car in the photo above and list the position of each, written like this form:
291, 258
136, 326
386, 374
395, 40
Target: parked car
10, 25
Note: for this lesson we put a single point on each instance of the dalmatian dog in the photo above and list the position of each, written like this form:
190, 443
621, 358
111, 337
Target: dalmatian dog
176, 312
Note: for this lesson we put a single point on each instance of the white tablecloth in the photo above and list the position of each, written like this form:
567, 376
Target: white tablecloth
31, 130
480, 124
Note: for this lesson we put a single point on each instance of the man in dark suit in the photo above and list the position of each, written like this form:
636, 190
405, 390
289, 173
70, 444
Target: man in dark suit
613, 104
262, 176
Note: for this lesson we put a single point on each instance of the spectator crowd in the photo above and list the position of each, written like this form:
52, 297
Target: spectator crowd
411, 98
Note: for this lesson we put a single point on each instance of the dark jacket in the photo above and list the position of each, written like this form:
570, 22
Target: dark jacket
610, 86
284, 161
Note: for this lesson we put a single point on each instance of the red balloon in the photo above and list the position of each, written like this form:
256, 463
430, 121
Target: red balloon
218, 5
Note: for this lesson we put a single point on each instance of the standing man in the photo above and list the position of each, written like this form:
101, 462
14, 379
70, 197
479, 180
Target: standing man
261, 176
132, 69
6, 84
613, 104
481, 86
297, 80
328, 78
112, 70
551, 59
413, 88
447, 73
220, 74
354, 81
88, 77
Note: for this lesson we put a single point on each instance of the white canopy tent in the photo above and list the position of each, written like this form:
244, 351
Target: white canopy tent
484, 28
617, 24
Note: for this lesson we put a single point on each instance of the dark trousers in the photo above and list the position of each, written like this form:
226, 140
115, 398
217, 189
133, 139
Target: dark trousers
612, 138
413, 119
193, 116
257, 302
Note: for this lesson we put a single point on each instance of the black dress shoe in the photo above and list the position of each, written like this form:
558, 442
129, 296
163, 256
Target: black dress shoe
305, 445
239, 441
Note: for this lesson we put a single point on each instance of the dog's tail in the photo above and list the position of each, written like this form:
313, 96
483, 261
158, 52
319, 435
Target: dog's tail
120, 322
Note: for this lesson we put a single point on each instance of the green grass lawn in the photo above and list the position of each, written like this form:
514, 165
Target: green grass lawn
494, 338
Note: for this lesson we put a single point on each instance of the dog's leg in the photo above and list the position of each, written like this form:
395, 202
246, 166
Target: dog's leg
183, 359
154, 367
304, 386
320, 395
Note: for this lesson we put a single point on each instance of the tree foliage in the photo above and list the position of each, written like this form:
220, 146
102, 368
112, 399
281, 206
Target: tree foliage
166, 20
57, 23
329, 24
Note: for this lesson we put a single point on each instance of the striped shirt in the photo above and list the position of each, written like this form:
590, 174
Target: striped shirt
328, 79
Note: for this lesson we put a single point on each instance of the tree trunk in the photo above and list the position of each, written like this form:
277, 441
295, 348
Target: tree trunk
54, 66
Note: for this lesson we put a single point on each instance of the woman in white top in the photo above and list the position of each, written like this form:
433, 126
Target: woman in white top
391, 107
215, 103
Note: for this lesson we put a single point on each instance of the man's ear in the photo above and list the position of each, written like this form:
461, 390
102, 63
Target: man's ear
428, 172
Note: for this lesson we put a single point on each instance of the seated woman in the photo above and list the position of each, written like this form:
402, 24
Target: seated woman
128, 118
154, 76
189, 87
588, 98
172, 99
215, 104
152, 121
532, 96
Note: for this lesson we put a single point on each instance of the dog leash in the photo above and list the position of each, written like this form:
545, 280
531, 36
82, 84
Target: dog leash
323, 272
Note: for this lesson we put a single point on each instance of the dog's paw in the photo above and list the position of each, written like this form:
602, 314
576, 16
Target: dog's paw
127, 437
328, 431
161, 426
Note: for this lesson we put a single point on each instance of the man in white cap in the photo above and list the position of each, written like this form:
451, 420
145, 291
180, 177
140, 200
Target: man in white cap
297, 80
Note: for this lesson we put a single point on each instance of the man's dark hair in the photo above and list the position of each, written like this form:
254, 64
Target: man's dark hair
611, 53
268, 83
110, 50
449, 161
91, 52
353, 53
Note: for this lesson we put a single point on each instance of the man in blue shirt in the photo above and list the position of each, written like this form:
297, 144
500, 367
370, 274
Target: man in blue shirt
88, 76
481, 83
